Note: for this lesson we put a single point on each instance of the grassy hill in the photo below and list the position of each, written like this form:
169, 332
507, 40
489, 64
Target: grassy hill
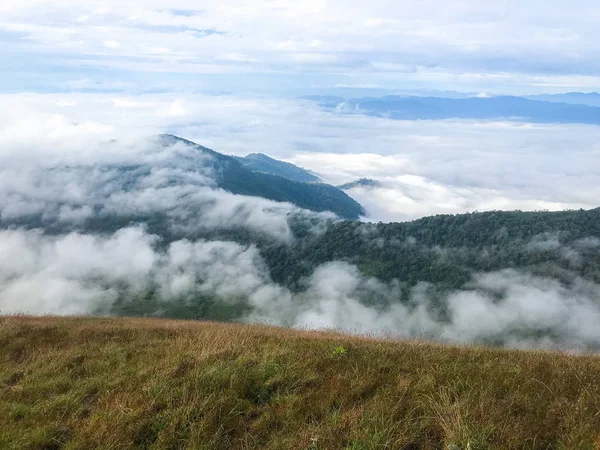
108, 383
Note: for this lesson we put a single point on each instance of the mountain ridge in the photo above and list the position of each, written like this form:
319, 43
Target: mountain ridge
234, 177
399, 107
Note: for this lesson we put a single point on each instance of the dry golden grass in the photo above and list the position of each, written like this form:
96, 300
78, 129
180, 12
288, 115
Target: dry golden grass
95, 383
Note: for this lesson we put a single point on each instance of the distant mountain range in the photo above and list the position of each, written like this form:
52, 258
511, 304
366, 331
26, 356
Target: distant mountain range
576, 98
261, 176
257, 162
563, 108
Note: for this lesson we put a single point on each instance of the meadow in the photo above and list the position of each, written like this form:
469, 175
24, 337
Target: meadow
140, 383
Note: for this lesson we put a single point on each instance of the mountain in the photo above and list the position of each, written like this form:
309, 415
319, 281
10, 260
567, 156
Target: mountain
362, 182
578, 98
235, 177
436, 108
257, 162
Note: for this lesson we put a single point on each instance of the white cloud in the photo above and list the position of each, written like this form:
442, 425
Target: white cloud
111, 44
425, 167
175, 109
470, 44
79, 274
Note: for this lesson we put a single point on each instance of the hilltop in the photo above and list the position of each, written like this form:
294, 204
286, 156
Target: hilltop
120, 383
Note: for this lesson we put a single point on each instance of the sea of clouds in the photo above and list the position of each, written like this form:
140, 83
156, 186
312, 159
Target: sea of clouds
62, 159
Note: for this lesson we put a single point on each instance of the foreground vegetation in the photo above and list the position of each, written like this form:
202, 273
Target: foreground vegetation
115, 383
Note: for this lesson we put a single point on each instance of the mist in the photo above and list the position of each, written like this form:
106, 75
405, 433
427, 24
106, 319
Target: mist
135, 179
162, 232
84, 274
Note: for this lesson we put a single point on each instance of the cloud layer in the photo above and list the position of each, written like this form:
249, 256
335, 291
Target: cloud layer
83, 274
425, 167
66, 157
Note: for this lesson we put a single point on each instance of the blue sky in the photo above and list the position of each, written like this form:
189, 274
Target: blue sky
298, 47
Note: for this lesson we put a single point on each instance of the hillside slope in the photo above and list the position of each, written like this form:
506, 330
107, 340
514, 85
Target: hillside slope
91, 383
234, 177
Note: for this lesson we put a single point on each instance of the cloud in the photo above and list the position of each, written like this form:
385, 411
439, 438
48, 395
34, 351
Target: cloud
433, 167
425, 167
176, 109
530, 304
532, 312
134, 181
82, 274
111, 44
408, 197
69, 275
463, 44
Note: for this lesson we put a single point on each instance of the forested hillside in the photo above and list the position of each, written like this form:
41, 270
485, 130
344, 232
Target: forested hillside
435, 256
443, 250
446, 249
274, 184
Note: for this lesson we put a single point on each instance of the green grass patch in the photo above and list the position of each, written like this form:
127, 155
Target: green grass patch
96, 383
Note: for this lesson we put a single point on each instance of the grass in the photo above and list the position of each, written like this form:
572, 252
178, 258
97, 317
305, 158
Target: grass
115, 383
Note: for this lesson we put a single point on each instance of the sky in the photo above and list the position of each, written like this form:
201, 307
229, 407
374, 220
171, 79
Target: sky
296, 47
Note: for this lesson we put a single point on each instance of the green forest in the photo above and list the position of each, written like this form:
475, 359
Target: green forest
443, 251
